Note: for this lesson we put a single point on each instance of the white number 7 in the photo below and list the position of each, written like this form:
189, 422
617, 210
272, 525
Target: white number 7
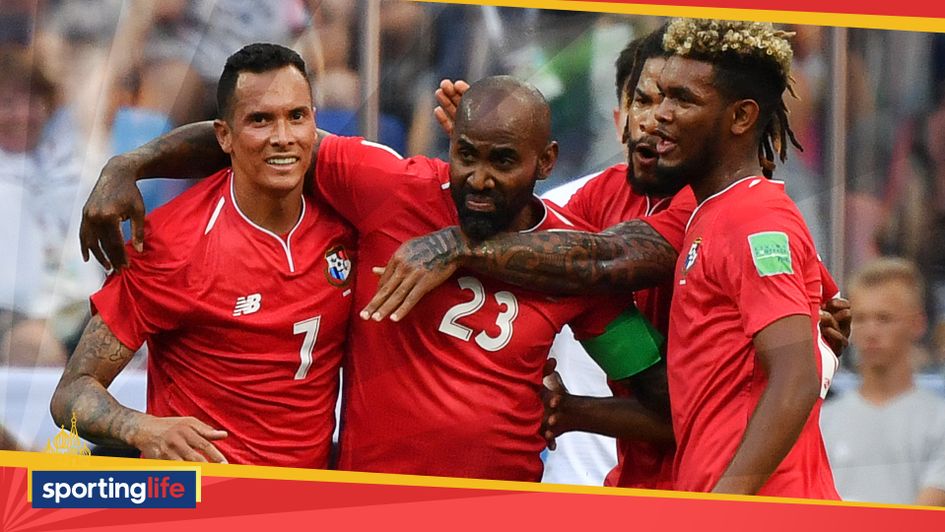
310, 328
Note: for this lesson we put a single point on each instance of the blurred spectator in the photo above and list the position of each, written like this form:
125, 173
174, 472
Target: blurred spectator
338, 97
913, 223
43, 285
188, 40
886, 440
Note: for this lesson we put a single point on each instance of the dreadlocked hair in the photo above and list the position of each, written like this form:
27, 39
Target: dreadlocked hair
752, 60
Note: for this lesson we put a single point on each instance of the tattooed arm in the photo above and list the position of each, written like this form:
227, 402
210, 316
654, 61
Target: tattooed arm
187, 152
82, 391
627, 257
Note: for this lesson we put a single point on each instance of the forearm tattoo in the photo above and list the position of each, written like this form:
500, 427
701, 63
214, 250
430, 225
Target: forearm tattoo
629, 256
188, 151
98, 358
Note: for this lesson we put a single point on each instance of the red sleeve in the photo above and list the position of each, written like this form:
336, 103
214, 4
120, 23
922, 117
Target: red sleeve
359, 178
766, 291
580, 204
142, 299
671, 222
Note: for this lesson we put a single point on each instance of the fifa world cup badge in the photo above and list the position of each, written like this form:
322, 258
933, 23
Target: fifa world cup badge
338, 266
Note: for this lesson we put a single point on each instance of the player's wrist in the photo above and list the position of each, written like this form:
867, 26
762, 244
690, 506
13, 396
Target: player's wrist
138, 429
124, 167
569, 410
459, 246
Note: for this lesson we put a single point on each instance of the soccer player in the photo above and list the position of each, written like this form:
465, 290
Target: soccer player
715, 123
453, 390
241, 295
625, 192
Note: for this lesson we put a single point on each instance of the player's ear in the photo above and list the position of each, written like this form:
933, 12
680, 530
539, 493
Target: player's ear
547, 160
744, 115
224, 135
618, 126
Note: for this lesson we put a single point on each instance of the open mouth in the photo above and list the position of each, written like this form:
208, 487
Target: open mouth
645, 154
665, 146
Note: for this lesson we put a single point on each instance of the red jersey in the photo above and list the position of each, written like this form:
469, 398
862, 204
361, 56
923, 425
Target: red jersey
453, 388
245, 328
748, 260
606, 200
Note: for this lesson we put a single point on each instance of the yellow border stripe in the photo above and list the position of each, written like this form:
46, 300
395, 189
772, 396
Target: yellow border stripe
886, 22
31, 460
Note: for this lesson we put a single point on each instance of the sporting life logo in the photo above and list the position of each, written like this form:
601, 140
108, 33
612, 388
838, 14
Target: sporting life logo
115, 489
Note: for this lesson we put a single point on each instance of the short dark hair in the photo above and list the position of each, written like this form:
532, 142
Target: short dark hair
631, 59
255, 58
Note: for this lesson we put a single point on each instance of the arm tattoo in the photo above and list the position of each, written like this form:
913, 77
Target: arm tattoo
629, 256
82, 390
186, 152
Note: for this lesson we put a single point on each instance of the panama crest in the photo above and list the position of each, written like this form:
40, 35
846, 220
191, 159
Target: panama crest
338, 266
692, 255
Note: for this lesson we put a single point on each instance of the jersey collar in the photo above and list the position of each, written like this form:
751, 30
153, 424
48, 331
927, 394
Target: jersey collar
726, 189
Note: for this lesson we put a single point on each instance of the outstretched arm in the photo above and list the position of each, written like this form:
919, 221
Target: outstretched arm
82, 392
188, 152
627, 257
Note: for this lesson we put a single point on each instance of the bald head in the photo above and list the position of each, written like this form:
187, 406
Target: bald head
500, 147
507, 106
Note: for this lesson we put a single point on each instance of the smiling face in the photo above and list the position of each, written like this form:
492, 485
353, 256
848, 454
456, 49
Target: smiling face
685, 128
497, 152
270, 132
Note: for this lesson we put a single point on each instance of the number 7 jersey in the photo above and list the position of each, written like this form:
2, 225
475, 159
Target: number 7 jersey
453, 388
245, 328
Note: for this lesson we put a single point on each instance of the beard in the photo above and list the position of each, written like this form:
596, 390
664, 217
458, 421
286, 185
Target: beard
661, 180
479, 225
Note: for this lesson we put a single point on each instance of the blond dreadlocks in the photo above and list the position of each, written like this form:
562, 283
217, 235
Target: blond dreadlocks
753, 59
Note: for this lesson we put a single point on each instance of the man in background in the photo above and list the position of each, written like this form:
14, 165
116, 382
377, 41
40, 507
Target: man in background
886, 439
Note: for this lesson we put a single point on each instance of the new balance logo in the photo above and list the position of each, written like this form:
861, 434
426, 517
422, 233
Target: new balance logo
247, 305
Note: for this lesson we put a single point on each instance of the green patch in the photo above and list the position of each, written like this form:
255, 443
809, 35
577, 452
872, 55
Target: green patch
771, 252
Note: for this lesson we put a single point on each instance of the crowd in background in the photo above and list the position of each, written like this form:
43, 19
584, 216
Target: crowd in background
85, 79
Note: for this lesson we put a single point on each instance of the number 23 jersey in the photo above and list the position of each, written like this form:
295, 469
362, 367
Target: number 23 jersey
453, 388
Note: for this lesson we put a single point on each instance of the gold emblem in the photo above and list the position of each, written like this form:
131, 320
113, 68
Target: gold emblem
68, 442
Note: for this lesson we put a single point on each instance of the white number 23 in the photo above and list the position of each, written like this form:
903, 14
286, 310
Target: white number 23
504, 320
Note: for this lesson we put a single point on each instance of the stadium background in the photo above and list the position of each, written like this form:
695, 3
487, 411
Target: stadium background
84, 79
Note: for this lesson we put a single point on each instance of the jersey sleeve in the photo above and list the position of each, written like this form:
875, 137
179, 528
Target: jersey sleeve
830, 290
359, 179
580, 203
143, 299
671, 222
765, 258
